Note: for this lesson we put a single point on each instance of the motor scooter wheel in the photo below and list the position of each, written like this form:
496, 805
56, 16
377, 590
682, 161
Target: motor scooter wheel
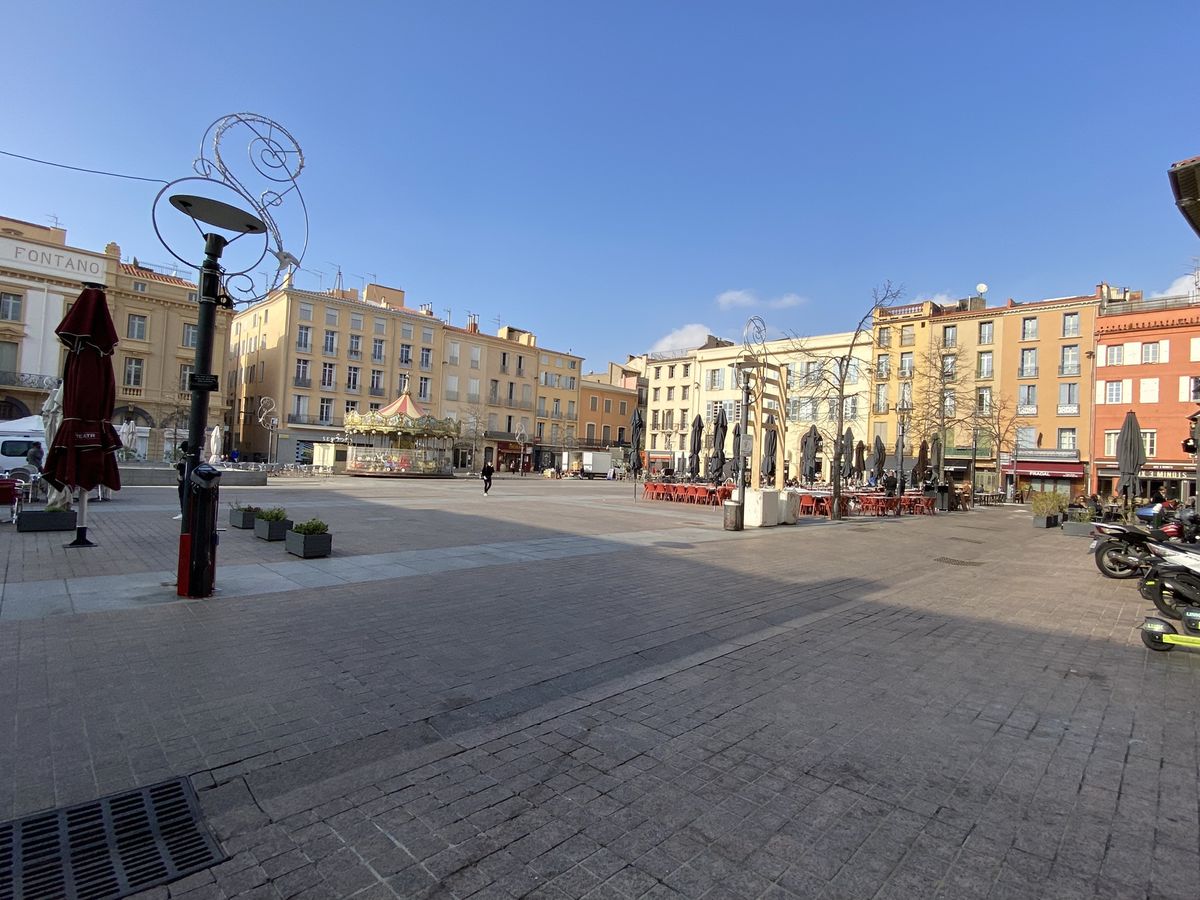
1154, 641
1166, 602
1110, 562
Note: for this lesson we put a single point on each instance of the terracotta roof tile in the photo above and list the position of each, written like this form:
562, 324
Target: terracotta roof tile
151, 275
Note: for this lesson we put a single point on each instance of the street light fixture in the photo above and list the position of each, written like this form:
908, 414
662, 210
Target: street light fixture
903, 417
1185, 184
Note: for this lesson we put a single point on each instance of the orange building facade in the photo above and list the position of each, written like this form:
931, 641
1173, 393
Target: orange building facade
1147, 352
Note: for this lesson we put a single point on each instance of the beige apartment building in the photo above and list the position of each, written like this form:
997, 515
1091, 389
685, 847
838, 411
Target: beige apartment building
558, 398
155, 315
810, 388
606, 411
488, 383
300, 360
1009, 388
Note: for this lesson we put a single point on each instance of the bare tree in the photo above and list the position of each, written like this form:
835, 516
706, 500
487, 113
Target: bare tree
832, 376
943, 396
999, 421
474, 421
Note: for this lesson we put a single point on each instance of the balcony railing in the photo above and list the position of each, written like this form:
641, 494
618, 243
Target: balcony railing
504, 368
1026, 409
327, 421
376, 392
472, 398
354, 354
304, 347
329, 351
907, 340
302, 382
426, 366
1069, 369
405, 362
352, 388
127, 391
983, 374
520, 372
451, 395
328, 385
879, 409
29, 380
1027, 372
1068, 409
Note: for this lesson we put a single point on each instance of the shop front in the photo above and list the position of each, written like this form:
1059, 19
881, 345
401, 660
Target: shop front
659, 461
1045, 475
1176, 480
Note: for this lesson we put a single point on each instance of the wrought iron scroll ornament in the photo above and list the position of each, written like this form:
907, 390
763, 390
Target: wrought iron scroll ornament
266, 186
754, 340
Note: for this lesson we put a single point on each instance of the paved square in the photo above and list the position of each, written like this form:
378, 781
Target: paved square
559, 692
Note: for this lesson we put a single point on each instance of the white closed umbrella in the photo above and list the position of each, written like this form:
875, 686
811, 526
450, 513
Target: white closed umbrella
128, 435
52, 415
214, 445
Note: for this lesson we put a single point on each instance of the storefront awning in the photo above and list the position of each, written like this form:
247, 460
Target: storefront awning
1040, 468
659, 454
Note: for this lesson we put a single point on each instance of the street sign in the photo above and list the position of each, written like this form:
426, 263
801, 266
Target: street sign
747, 444
197, 382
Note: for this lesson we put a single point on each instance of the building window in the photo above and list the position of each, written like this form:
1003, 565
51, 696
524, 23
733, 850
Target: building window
657, 372
452, 349
139, 287
10, 307
304, 338
683, 392
983, 400
193, 296
670, 393
1110, 443
906, 366
355, 346
402, 384
356, 322
406, 354
406, 331
301, 371
606, 434
594, 403
133, 372
1150, 443
1029, 368
655, 394
950, 336
1066, 439
352, 378
983, 367
881, 398
1027, 398
1114, 392
670, 371
426, 335
185, 371
330, 345
1150, 352
325, 410
426, 357
377, 379
331, 317
1029, 329
380, 326
306, 312
608, 406
377, 350
1068, 395
136, 330
624, 407
191, 335
908, 336
1071, 329
1115, 355
423, 388
985, 332
351, 406
949, 368
1069, 362
885, 338
475, 356
328, 375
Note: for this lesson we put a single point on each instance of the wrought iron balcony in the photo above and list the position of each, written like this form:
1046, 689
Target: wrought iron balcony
451, 395
1026, 409
1027, 372
304, 347
354, 354
326, 422
302, 382
983, 374
1068, 409
376, 392
1069, 369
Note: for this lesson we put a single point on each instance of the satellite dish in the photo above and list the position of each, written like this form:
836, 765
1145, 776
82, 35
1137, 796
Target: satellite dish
981, 288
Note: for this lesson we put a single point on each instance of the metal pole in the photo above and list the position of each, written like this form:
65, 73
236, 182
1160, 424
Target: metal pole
1196, 487
900, 497
206, 326
974, 456
745, 423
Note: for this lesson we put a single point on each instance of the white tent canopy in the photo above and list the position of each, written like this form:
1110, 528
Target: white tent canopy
21, 426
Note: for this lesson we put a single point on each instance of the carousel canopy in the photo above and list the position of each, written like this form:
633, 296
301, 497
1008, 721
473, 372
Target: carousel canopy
402, 416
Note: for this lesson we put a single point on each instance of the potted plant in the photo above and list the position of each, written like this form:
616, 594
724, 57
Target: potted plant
271, 524
309, 539
1078, 522
242, 516
1047, 506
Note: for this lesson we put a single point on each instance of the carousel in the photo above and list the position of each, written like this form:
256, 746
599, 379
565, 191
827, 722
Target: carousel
404, 442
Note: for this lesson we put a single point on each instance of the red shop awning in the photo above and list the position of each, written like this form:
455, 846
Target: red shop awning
1038, 468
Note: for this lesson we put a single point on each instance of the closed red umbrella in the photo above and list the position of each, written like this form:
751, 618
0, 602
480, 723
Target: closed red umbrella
83, 454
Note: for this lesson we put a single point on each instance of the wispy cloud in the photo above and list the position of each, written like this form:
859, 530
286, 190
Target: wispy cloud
731, 299
683, 337
1181, 286
939, 297
743, 298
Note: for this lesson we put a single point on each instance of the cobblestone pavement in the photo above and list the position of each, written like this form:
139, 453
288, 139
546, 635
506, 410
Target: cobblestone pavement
955, 706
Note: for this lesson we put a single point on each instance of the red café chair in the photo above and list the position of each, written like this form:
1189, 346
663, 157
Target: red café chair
10, 496
808, 504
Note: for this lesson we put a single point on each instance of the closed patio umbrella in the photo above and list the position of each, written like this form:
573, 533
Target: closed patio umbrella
880, 460
1131, 456
636, 424
935, 455
716, 465
808, 452
83, 455
770, 448
848, 454
214, 445
697, 444
737, 449
860, 460
922, 466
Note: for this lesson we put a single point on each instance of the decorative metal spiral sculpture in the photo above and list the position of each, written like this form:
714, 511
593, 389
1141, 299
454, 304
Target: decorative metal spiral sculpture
265, 186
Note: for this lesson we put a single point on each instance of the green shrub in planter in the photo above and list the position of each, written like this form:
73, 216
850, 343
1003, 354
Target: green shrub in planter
271, 524
1047, 507
241, 515
309, 540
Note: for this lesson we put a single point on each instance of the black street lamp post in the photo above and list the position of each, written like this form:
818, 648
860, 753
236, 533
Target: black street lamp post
903, 412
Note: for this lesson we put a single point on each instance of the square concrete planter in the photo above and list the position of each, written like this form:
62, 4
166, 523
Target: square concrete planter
1078, 529
789, 507
762, 508
271, 531
46, 520
1045, 521
242, 518
309, 546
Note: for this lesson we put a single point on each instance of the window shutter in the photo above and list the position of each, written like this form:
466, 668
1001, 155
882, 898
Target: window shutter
1126, 390
1195, 350
1133, 352
1100, 396
1148, 390
1101, 355
1164, 351
1185, 388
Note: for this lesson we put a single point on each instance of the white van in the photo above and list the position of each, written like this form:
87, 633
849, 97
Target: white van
16, 437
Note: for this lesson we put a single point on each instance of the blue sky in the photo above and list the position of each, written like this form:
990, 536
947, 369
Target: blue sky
607, 174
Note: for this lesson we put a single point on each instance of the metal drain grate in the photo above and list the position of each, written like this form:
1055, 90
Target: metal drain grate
107, 848
951, 561
966, 540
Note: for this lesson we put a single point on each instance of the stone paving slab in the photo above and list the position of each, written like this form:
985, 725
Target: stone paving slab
799, 712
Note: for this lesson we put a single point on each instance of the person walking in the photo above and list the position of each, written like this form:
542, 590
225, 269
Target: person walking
180, 468
486, 474
35, 456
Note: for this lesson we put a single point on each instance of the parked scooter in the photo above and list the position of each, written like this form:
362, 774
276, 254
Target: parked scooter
1170, 588
1159, 634
1123, 551
1175, 522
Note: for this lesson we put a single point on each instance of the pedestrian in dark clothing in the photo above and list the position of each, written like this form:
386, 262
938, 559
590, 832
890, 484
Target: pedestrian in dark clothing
180, 469
486, 474
35, 457
890, 483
